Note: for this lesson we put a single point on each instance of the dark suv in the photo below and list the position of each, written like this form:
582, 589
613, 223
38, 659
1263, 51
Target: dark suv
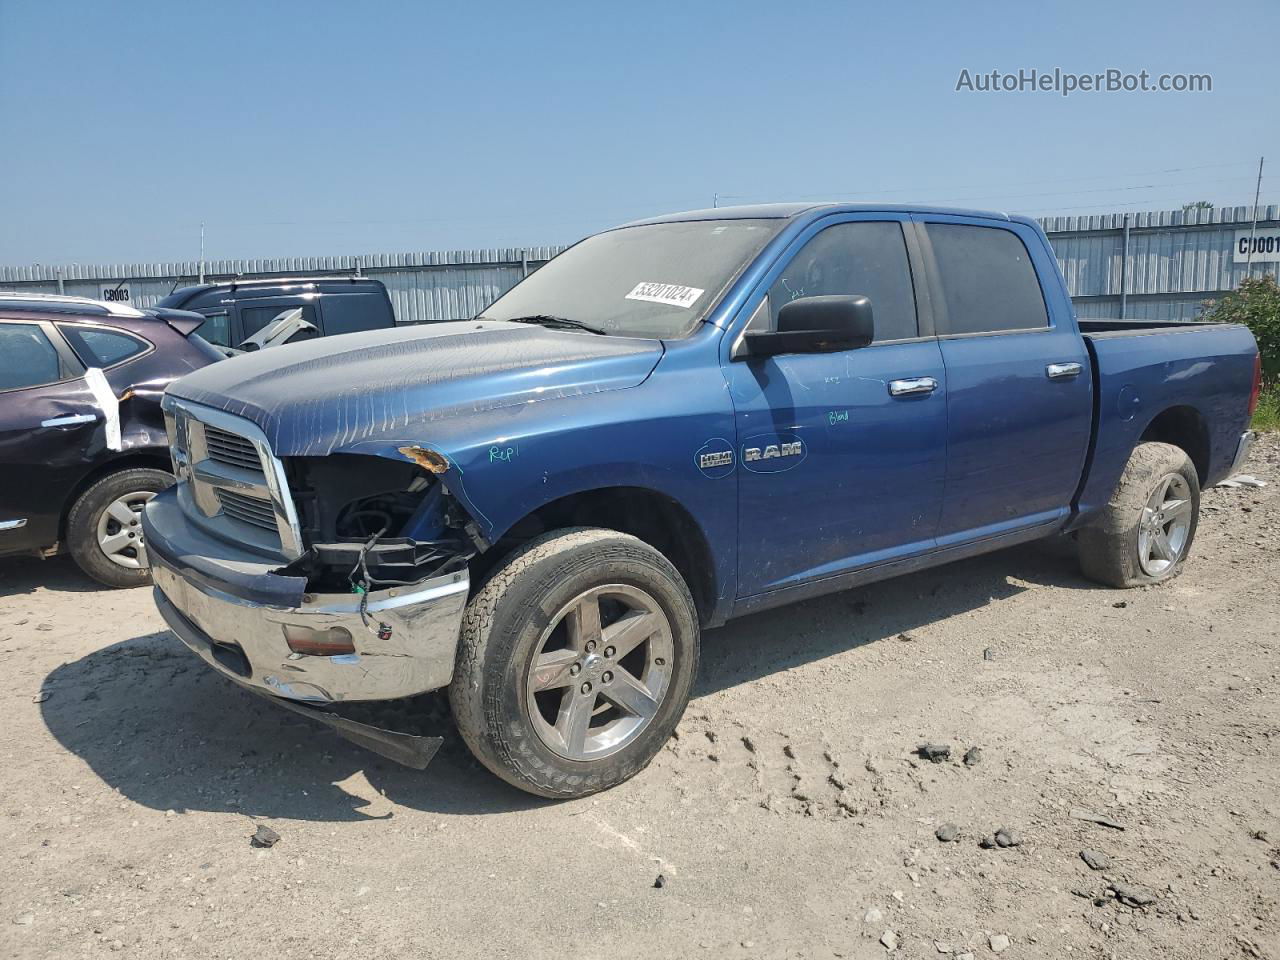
82, 438
238, 311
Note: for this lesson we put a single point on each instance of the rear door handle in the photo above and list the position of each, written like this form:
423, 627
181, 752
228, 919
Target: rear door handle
912, 385
1059, 371
70, 421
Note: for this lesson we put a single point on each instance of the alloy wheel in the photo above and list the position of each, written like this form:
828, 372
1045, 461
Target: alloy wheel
1165, 526
599, 672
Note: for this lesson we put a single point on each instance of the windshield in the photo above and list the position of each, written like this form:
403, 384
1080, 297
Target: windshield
657, 280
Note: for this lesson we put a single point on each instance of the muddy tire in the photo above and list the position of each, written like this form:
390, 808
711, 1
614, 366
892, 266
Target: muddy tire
1145, 532
575, 662
100, 524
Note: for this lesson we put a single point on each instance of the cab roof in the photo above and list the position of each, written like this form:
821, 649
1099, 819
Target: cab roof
789, 211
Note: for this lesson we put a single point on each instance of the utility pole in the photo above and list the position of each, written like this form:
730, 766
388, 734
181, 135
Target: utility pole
1254, 229
201, 251
1124, 268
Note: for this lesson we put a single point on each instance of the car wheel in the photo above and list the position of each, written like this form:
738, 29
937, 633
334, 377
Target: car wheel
104, 527
575, 662
1144, 533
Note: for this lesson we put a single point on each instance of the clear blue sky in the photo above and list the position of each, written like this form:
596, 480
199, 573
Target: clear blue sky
328, 128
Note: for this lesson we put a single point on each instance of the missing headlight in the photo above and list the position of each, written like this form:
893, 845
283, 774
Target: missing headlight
389, 519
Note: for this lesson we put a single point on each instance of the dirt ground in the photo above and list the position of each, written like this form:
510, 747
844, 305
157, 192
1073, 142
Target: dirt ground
789, 818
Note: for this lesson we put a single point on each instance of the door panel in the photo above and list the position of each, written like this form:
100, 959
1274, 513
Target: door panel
1019, 402
1017, 438
866, 483
837, 468
45, 431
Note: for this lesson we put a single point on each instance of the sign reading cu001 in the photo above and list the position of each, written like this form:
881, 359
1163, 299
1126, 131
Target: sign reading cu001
1265, 244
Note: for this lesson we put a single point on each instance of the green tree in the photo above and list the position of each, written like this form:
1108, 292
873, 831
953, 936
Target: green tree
1256, 304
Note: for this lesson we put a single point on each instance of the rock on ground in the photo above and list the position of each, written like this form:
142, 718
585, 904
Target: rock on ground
1095, 860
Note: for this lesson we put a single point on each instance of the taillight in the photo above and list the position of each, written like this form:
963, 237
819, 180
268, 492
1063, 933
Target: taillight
1257, 383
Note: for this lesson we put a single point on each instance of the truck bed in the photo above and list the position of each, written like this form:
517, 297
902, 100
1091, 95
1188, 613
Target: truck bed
1198, 374
1139, 327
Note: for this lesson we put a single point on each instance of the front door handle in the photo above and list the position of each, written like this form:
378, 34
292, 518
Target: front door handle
911, 386
72, 420
1060, 371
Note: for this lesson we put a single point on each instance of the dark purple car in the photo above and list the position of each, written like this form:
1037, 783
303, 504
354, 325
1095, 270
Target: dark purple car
82, 438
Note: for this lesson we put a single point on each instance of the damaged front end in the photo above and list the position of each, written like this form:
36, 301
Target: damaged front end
315, 581
366, 522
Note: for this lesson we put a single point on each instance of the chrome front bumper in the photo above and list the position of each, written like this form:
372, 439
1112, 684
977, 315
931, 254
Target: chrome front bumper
233, 613
246, 642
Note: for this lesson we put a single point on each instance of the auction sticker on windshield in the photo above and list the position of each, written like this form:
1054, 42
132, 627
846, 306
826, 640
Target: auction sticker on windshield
672, 294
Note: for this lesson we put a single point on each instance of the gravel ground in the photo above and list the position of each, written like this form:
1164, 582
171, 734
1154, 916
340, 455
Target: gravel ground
791, 816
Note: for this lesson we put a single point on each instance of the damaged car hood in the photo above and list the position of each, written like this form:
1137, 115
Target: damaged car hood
336, 393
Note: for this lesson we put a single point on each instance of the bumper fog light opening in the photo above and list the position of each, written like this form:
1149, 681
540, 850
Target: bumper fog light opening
326, 642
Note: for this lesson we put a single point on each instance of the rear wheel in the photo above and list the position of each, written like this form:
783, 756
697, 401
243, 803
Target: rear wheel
104, 527
575, 663
1145, 532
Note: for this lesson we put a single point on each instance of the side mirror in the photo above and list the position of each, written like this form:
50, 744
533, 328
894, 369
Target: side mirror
816, 325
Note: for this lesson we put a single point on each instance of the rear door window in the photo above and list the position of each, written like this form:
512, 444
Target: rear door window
989, 284
365, 308
216, 329
27, 358
864, 258
102, 348
254, 319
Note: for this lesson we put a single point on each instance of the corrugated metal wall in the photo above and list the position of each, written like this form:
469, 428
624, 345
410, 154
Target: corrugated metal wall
448, 285
1176, 260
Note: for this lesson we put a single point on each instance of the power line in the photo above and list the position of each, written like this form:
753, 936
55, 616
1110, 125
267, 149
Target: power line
1017, 183
1073, 193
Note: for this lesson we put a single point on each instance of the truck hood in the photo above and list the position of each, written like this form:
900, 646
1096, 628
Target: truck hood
370, 389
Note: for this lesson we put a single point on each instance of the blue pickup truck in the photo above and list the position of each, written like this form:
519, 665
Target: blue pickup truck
673, 423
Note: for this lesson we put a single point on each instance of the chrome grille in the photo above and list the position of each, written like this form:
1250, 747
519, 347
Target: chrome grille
226, 447
247, 509
229, 481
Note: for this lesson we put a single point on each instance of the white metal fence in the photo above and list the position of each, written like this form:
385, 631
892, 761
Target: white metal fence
1157, 266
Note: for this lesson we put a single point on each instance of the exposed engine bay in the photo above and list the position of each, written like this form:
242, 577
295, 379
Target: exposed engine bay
372, 523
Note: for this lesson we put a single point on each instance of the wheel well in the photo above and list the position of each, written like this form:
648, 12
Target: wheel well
1183, 427
646, 514
156, 461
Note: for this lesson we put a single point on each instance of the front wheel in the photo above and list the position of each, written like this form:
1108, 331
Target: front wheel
575, 662
104, 527
1144, 533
